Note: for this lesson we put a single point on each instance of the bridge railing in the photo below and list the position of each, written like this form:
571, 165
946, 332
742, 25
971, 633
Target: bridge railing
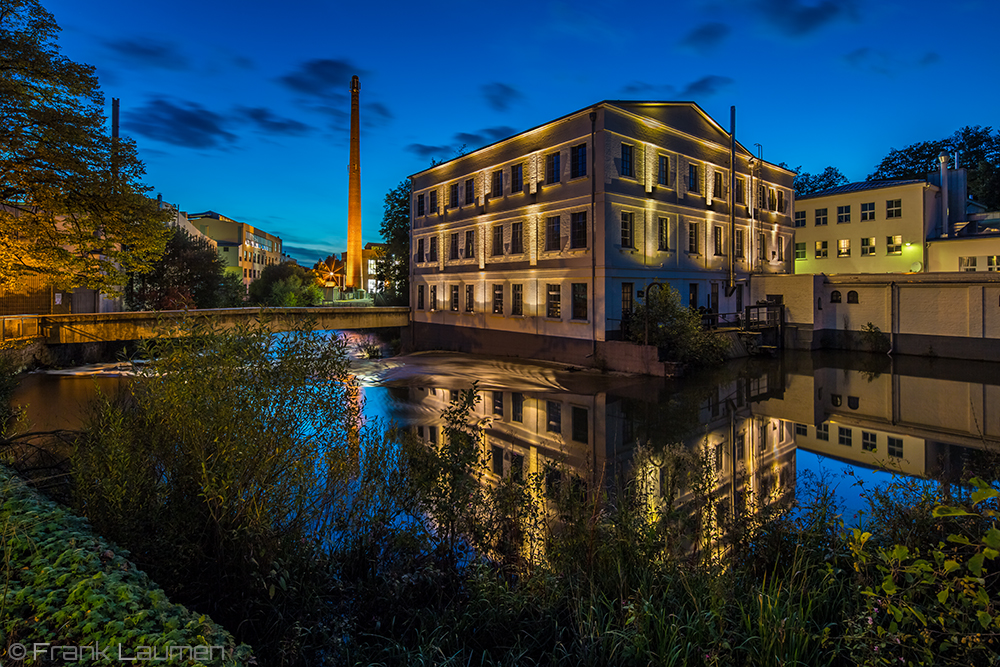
18, 327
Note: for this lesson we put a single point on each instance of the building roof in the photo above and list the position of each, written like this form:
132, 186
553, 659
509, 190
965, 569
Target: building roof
861, 186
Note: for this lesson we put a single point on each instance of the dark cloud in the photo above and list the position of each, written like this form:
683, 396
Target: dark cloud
375, 114
929, 58
268, 122
649, 89
148, 53
243, 62
485, 136
885, 63
706, 37
500, 96
326, 79
428, 152
796, 17
186, 124
307, 256
706, 86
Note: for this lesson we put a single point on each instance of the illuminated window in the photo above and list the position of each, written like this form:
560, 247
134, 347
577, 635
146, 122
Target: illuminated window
894, 447
821, 250
992, 262
894, 208
420, 204
693, 185
420, 250
453, 195
894, 245
868, 211
454, 298
498, 299
552, 239
434, 297
843, 214
578, 230
516, 238
772, 199
470, 298
739, 243
966, 263
844, 248
470, 243
800, 218
692, 237
553, 416
740, 189
718, 241
579, 301
628, 236
820, 217
628, 169
434, 201
578, 161
844, 436
517, 299
453, 246
553, 301
867, 245
800, 251
663, 242
497, 188
497, 240
433, 253
663, 174
516, 178
552, 168
420, 297
470, 190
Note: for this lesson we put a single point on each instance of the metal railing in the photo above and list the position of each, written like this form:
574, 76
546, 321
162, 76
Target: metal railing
19, 327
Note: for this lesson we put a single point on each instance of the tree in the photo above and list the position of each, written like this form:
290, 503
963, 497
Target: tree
979, 152
393, 266
72, 207
806, 183
285, 285
189, 274
666, 323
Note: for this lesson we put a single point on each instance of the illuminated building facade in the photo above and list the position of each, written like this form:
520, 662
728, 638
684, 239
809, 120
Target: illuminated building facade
540, 245
246, 249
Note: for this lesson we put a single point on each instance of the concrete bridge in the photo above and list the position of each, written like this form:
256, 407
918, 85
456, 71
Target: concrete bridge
109, 327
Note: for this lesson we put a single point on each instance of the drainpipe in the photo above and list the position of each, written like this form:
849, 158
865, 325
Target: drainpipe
593, 237
731, 282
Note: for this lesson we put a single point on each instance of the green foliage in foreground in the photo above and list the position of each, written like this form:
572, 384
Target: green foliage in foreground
65, 586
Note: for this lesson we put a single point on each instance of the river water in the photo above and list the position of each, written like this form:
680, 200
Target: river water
769, 426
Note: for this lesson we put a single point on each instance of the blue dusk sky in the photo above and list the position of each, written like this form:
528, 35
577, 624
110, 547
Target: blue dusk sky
243, 107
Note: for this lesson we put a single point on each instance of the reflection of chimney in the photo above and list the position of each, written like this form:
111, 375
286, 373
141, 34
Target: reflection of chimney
946, 226
353, 255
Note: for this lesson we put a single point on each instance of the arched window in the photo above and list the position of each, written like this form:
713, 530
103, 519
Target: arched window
835, 296
819, 303
853, 402
852, 297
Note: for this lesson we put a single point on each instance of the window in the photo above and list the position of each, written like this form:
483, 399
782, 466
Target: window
800, 218
628, 169
453, 246
867, 246
966, 263
420, 204
628, 236
432, 434
780, 245
843, 214
800, 429
470, 298
498, 404
434, 201
470, 190
820, 217
420, 250
497, 299
844, 248
762, 246
800, 251
992, 262
470, 243
740, 189
869, 441
781, 201
553, 416
627, 300
835, 297
497, 240
516, 238
552, 168
772, 200
893, 208
739, 243
552, 301
693, 178
578, 230
516, 178
453, 195
852, 297
433, 254
517, 407
496, 458
420, 297
692, 237
433, 297
517, 299
663, 174
497, 189
579, 301
454, 298
823, 432
663, 237
692, 295
868, 211
581, 429
578, 161
718, 241
844, 436
720, 189
821, 249
552, 233
894, 447
894, 245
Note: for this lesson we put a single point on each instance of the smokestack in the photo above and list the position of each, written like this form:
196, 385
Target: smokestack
945, 217
354, 194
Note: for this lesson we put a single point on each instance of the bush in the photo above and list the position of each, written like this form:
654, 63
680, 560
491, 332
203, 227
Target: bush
665, 322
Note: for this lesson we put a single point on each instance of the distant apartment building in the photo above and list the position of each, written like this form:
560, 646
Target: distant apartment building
542, 244
245, 248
